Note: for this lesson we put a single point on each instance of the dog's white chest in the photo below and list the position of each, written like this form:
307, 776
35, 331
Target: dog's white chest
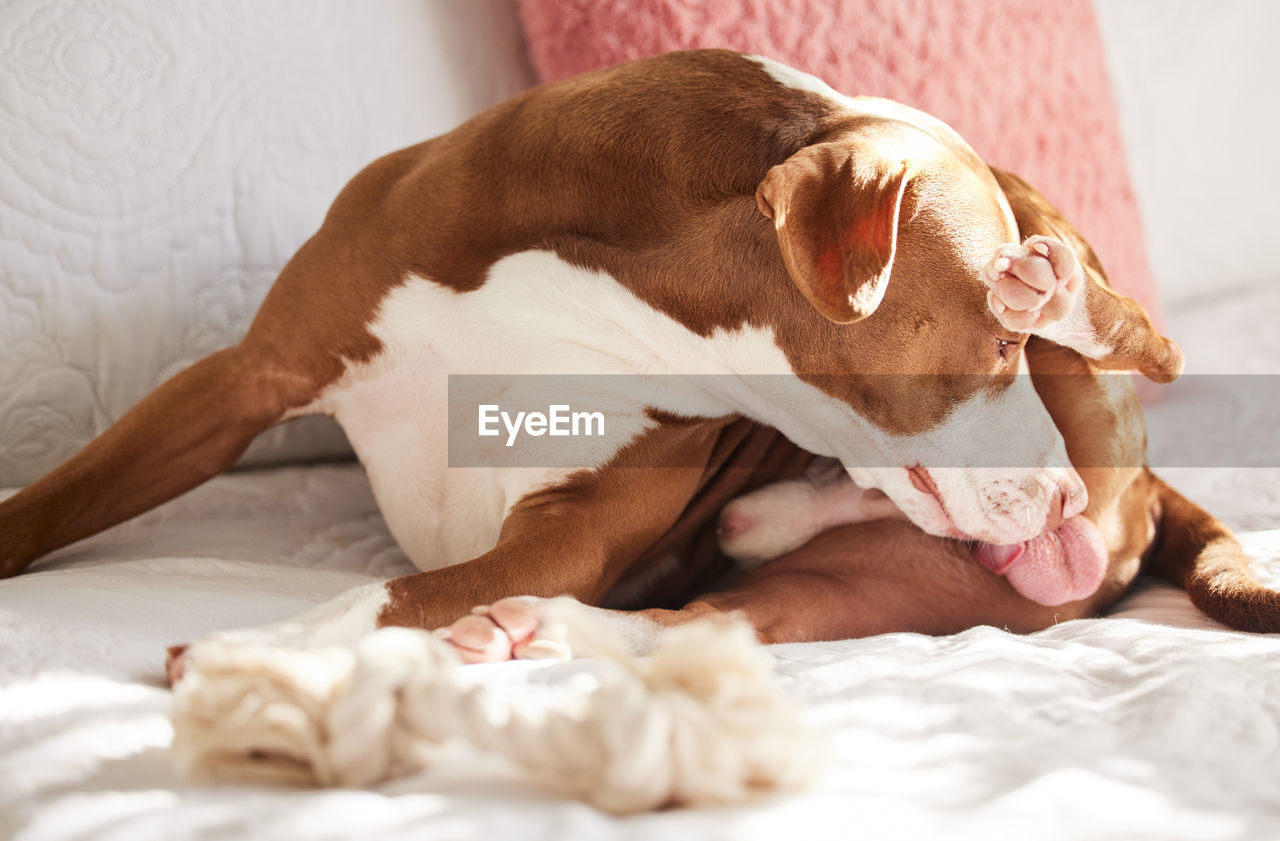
535, 316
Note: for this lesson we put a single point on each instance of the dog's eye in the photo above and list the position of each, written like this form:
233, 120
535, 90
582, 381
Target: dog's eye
1006, 348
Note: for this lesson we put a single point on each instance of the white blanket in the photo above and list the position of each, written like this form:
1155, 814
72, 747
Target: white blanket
1110, 728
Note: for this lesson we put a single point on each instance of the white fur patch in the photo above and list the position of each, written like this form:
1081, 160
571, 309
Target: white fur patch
535, 315
1076, 331
878, 107
869, 105
999, 497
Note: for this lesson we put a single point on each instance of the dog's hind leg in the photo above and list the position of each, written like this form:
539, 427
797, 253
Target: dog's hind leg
194, 426
191, 428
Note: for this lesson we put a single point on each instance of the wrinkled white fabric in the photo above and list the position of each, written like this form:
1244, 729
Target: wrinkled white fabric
1093, 729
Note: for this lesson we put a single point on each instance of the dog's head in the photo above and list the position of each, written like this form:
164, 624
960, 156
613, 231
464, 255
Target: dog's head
884, 229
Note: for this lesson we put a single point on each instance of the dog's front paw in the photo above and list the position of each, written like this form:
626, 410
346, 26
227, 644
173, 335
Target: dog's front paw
510, 629
1033, 285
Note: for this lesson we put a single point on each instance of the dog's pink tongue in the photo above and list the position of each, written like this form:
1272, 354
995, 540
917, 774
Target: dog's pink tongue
1055, 568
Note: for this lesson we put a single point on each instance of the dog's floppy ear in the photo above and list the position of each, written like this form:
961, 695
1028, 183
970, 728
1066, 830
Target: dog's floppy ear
835, 207
1122, 335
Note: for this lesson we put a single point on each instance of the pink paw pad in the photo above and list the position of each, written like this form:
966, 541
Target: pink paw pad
1034, 284
510, 629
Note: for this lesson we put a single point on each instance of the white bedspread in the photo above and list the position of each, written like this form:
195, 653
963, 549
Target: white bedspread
1114, 728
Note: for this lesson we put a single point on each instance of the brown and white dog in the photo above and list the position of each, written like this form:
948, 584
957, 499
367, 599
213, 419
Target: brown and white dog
694, 213
827, 560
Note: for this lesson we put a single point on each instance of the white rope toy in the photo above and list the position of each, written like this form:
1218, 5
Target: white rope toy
698, 722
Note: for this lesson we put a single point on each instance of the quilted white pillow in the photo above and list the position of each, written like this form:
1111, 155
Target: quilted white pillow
159, 162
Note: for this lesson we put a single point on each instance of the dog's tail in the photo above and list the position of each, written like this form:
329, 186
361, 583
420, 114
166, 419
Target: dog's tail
1201, 555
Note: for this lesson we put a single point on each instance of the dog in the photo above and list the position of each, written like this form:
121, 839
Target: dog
848, 271
827, 560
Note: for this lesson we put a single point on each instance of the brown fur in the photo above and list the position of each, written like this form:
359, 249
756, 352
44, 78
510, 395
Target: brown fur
1198, 553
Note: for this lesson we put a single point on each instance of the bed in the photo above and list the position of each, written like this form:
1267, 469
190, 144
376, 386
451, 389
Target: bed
1152, 723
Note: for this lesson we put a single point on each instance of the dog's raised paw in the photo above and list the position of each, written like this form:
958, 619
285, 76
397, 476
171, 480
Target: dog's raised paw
510, 629
1033, 285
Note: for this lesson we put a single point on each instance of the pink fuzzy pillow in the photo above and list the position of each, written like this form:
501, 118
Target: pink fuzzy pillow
1025, 82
